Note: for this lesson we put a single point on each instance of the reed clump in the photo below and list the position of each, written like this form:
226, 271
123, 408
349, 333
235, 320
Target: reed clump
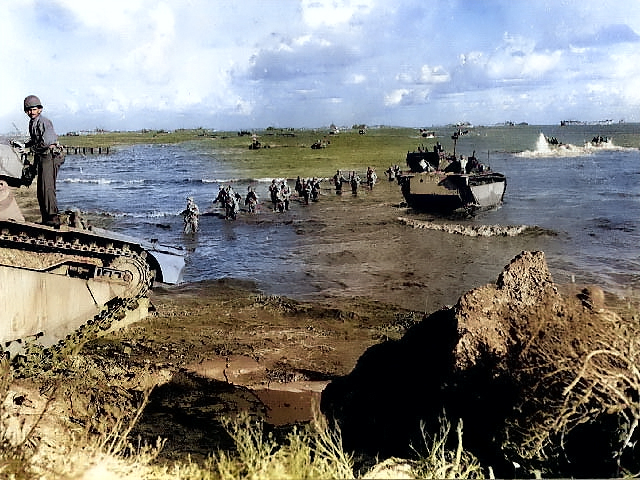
580, 384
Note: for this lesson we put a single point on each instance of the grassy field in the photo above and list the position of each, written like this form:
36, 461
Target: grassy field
293, 156
288, 152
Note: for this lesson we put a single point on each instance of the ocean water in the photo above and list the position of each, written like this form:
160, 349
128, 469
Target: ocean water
587, 198
144, 188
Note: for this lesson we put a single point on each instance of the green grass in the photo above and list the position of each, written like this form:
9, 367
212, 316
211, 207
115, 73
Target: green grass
110, 139
284, 155
288, 152
293, 156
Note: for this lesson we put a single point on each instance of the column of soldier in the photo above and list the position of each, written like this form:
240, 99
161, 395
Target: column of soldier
230, 200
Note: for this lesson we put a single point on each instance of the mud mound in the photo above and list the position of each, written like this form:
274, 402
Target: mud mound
540, 379
486, 316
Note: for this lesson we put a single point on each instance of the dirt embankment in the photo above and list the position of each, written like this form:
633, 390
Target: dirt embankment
501, 360
530, 371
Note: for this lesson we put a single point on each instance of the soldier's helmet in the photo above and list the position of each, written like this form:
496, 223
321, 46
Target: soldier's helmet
32, 101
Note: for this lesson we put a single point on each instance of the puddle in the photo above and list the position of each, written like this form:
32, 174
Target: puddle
290, 402
285, 403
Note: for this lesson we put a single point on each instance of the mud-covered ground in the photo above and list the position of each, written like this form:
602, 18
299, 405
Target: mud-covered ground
219, 347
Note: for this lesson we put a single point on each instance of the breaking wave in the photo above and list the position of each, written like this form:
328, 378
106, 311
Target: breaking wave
96, 181
139, 215
546, 149
251, 180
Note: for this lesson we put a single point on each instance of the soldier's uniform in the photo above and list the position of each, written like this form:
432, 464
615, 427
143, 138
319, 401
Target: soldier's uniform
47, 158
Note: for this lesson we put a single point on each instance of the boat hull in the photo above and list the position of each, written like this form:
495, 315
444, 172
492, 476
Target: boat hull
448, 193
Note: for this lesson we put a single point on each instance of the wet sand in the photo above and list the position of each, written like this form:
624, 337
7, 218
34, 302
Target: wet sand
360, 246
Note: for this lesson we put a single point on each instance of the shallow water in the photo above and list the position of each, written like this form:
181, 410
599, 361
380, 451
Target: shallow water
590, 198
591, 201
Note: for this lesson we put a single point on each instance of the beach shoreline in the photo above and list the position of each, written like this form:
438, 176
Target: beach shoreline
216, 348
371, 245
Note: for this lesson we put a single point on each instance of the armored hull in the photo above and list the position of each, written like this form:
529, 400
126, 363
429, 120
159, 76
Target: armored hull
62, 286
447, 193
442, 183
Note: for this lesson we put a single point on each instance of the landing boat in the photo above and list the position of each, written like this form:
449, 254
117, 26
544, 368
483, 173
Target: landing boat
443, 184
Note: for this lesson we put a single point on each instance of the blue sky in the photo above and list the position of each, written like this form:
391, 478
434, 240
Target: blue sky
227, 65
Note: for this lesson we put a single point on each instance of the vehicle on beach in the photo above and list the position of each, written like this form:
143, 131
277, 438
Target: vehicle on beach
70, 282
444, 184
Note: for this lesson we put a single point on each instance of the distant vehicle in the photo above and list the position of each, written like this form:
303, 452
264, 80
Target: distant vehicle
600, 141
427, 133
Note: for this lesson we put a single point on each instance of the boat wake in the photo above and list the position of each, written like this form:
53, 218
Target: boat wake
473, 230
546, 147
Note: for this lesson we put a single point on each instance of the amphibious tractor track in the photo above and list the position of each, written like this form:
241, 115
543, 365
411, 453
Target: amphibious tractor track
62, 287
79, 250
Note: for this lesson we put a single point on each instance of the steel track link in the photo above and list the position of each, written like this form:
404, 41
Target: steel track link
36, 359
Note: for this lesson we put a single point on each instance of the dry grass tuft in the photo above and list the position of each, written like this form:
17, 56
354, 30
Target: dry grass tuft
439, 462
312, 452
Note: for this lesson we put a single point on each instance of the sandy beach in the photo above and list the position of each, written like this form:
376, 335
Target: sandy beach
370, 245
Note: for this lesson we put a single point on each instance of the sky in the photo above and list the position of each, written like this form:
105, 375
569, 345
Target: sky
252, 64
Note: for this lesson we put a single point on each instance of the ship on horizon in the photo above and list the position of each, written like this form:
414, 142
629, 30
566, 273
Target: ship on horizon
564, 123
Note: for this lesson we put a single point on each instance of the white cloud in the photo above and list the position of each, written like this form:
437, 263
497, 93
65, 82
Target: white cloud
155, 55
112, 15
395, 97
194, 62
356, 79
430, 75
333, 13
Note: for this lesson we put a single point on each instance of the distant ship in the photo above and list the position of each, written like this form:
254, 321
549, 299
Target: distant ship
564, 123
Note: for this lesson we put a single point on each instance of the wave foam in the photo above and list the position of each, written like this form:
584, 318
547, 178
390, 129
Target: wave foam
101, 181
97, 181
544, 149
469, 230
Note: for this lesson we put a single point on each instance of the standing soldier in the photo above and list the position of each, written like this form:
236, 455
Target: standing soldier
371, 177
354, 180
48, 157
305, 189
273, 194
391, 173
315, 190
285, 194
298, 187
251, 200
337, 180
